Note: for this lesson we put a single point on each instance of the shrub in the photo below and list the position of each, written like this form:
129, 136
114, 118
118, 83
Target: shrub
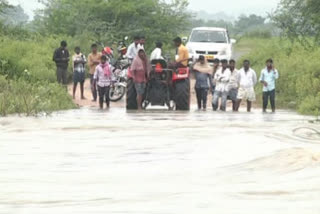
299, 82
23, 97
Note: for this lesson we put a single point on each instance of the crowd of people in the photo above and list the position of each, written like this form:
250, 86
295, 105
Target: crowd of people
222, 79
228, 83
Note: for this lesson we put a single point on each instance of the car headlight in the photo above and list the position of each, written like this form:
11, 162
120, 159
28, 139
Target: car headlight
190, 50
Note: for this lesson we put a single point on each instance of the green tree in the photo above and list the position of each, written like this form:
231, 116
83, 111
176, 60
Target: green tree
113, 19
248, 23
4, 5
14, 15
299, 20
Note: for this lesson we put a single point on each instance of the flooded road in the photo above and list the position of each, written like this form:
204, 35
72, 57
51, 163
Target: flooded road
158, 162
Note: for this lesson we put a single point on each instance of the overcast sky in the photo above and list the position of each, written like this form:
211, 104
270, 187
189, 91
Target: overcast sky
230, 7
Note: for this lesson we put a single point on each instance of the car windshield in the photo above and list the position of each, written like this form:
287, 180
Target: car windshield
209, 36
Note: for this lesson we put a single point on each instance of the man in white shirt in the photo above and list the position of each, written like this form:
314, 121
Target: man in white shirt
233, 84
221, 78
133, 48
157, 52
247, 80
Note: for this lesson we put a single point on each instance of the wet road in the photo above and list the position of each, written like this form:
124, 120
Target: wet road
158, 162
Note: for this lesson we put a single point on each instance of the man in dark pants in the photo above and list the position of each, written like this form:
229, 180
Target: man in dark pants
203, 81
268, 78
61, 58
94, 59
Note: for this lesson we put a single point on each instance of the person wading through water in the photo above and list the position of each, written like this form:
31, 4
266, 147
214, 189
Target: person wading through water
102, 78
247, 80
221, 78
268, 78
216, 65
203, 81
140, 71
233, 86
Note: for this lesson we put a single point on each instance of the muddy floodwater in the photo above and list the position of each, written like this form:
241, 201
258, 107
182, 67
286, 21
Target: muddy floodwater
159, 162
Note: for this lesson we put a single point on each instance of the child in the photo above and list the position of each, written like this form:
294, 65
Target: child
203, 79
79, 61
102, 78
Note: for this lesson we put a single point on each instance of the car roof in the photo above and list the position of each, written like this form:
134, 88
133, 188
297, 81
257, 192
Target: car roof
210, 28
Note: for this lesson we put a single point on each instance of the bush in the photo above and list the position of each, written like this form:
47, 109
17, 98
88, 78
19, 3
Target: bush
23, 97
299, 82
27, 75
33, 55
259, 33
310, 105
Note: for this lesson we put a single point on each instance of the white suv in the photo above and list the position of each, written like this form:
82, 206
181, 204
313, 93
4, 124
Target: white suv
210, 42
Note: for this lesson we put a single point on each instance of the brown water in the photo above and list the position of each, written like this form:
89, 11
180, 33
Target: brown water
159, 162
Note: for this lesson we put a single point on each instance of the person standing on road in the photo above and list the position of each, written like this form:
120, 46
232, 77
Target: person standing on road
203, 81
247, 80
221, 78
79, 61
94, 59
102, 78
233, 86
268, 78
61, 58
133, 49
216, 64
140, 70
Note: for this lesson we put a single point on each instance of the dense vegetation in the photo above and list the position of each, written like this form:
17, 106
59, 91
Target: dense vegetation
299, 84
243, 26
109, 21
299, 20
27, 77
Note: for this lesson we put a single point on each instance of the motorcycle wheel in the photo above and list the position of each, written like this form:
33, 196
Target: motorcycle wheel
116, 93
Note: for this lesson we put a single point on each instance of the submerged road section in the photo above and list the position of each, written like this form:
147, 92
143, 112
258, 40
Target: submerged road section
158, 162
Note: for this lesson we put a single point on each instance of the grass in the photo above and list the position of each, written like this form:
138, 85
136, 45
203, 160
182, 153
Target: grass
299, 84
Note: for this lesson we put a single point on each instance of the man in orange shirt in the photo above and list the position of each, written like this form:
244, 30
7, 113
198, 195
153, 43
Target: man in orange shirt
182, 52
94, 59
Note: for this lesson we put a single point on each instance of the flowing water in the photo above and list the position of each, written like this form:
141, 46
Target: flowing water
159, 162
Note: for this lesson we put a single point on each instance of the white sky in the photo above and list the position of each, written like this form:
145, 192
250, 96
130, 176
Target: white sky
230, 7
235, 7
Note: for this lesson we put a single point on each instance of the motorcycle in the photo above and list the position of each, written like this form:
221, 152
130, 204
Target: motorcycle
118, 85
120, 71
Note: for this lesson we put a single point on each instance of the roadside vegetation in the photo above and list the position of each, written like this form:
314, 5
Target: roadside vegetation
299, 84
27, 75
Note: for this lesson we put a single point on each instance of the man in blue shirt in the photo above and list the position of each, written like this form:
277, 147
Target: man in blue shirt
268, 78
